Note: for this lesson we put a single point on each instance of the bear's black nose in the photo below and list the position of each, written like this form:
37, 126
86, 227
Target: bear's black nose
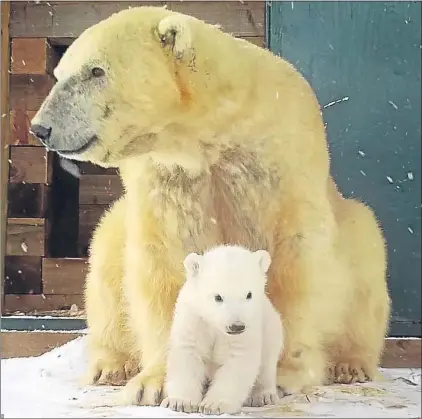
41, 132
236, 328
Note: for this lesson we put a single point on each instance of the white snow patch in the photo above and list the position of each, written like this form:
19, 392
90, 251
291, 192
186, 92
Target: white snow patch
49, 386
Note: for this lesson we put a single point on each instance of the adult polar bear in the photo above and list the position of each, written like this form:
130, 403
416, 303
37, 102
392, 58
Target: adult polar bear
216, 141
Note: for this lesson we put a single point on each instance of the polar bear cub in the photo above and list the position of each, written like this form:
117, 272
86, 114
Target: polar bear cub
225, 333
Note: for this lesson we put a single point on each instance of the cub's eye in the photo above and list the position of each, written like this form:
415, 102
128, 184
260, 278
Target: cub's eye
97, 72
249, 296
218, 298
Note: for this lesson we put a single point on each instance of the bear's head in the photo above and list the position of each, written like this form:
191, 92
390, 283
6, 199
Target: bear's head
119, 86
228, 286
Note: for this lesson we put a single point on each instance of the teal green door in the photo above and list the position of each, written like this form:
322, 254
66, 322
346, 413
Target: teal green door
363, 60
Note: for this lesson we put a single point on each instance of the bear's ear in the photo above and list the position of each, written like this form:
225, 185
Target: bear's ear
264, 260
174, 32
192, 264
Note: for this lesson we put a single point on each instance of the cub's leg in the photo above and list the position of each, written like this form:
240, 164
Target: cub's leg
111, 360
185, 377
355, 354
264, 391
233, 382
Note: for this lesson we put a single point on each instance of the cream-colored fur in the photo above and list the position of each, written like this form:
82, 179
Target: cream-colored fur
217, 141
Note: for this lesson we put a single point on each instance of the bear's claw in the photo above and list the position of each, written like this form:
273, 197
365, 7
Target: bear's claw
180, 405
209, 407
113, 374
143, 390
261, 399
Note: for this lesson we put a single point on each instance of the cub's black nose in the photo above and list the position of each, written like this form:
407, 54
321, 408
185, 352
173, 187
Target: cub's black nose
41, 132
236, 328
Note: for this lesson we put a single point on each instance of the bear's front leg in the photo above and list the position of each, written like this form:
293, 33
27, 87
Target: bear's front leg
185, 379
264, 391
185, 376
112, 358
151, 289
232, 384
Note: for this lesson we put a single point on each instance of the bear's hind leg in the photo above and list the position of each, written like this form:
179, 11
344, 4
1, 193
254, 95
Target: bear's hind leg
308, 285
110, 357
356, 352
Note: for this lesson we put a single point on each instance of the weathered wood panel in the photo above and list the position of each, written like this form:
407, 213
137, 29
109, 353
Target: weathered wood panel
27, 200
89, 216
402, 353
4, 155
33, 56
70, 19
86, 168
26, 237
99, 189
23, 275
28, 91
30, 165
25, 344
40, 303
64, 275
20, 121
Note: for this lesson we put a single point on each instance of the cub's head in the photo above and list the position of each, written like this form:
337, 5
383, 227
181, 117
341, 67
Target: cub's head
116, 88
229, 286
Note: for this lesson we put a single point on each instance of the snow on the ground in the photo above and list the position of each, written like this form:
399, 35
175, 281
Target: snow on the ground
49, 386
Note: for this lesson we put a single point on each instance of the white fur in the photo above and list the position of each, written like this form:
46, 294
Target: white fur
242, 367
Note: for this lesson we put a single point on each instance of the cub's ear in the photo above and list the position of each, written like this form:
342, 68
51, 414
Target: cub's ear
264, 260
174, 33
192, 264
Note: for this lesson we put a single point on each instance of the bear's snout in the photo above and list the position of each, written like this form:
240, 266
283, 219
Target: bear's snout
236, 328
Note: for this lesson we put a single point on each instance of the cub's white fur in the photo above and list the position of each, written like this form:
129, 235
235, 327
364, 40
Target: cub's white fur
225, 333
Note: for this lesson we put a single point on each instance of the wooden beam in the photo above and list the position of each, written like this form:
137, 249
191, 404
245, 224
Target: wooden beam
64, 275
20, 121
33, 56
86, 168
402, 353
26, 237
4, 166
23, 275
27, 91
99, 189
41, 303
69, 19
24, 344
89, 215
30, 165
27, 200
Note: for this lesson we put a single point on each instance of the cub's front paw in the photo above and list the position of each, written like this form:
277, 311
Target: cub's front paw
261, 398
218, 407
180, 405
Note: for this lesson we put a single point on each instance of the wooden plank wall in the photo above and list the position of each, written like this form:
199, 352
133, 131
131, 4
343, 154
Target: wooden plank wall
45, 263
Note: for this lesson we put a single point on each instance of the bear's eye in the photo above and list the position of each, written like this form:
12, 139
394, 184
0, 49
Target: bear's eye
249, 296
218, 298
97, 72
